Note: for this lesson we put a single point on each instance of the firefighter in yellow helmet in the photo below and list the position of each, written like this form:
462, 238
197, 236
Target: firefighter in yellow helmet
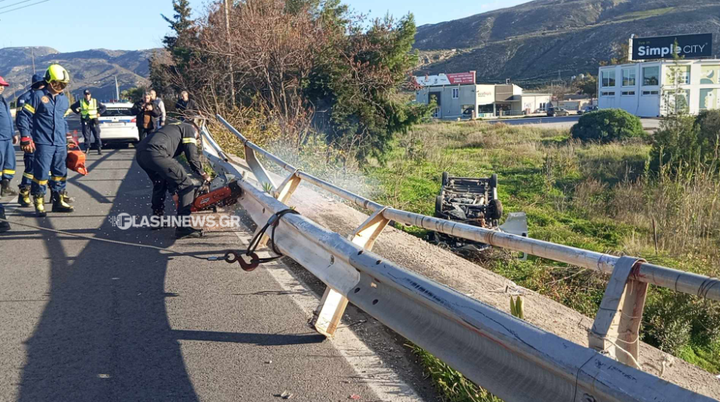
45, 132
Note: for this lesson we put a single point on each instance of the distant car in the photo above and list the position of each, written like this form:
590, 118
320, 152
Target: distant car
588, 109
558, 111
539, 111
118, 124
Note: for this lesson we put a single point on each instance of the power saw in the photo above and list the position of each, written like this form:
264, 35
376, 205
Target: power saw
220, 192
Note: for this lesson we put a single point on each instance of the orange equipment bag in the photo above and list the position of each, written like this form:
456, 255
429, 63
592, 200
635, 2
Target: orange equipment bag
76, 159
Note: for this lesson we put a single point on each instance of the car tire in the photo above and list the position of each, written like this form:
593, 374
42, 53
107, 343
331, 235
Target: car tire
438, 205
493, 181
496, 209
445, 178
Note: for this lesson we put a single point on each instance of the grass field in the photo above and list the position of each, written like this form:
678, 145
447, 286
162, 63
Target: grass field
597, 197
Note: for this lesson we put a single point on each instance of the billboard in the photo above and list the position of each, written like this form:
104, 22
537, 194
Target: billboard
446, 79
663, 47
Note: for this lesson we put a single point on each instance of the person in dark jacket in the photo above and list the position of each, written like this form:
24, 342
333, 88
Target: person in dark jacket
89, 109
186, 107
156, 156
146, 115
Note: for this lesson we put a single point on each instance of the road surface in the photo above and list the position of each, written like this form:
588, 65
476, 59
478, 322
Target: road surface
84, 320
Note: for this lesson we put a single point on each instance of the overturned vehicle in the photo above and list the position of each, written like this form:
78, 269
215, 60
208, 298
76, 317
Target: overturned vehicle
473, 201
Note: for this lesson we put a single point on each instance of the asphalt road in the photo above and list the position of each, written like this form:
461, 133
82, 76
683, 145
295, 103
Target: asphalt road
84, 320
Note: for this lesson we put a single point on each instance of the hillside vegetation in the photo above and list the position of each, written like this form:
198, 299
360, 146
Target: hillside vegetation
90, 69
533, 41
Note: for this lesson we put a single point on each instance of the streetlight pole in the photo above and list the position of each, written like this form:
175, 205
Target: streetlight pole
117, 90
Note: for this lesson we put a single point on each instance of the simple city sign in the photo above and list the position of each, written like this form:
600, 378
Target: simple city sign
664, 47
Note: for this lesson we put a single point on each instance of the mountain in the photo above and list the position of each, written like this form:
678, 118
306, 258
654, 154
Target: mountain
90, 69
534, 42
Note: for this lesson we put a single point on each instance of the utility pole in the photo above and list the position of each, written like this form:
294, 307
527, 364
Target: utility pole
32, 54
230, 65
117, 90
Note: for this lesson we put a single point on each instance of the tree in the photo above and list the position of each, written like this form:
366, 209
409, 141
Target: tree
133, 94
588, 85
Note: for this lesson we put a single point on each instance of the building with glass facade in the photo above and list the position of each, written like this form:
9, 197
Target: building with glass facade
653, 89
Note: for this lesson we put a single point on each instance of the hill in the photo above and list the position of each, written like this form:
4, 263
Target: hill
92, 69
534, 41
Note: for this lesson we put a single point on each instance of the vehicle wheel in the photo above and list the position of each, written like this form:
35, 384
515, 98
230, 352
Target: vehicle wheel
493, 181
496, 209
445, 178
438, 205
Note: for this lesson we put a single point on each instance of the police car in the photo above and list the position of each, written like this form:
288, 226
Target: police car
118, 124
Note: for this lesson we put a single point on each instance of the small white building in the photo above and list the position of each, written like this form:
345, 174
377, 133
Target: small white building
643, 88
458, 96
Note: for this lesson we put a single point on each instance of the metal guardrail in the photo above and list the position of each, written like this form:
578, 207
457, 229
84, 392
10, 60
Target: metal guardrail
513, 359
679, 281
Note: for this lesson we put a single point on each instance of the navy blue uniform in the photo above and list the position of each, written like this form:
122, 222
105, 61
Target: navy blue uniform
43, 118
28, 157
7, 132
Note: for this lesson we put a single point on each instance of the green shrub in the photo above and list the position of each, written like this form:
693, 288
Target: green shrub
607, 125
686, 143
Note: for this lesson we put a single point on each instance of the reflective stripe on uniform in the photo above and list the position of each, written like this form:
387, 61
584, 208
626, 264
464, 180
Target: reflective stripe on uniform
8, 171
29, 108
40, 182
28, 176
88, 110
58, 178
189, 141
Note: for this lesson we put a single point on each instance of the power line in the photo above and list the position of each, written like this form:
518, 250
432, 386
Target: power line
15, 4
20, 8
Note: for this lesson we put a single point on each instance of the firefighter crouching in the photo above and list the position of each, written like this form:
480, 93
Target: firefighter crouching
45, 132
38, 82
156, 155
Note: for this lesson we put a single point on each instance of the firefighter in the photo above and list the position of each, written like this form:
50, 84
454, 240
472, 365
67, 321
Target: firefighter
45, 132
38, 82
7, 152
156, 155
7, 140
89, 109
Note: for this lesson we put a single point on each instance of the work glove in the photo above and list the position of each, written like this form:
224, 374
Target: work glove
27, 144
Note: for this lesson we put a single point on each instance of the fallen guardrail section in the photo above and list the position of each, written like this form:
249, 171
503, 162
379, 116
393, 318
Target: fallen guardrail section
511, 358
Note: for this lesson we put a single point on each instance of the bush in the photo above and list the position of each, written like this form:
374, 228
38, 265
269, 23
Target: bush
607, 125
686, 143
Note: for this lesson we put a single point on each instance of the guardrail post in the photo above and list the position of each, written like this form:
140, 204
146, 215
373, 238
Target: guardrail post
616, 330
258, 169
333, 304
288, 187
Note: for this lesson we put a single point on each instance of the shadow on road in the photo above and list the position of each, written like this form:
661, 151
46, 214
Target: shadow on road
104, 334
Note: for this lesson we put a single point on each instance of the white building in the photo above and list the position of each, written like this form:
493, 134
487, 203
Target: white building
458, 96
643, 88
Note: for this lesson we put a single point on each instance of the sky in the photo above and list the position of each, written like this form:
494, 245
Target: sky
72, 25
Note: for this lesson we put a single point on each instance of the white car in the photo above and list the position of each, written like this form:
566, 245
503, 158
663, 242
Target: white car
118, 124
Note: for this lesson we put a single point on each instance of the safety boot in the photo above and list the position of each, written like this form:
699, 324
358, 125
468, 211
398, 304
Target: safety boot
60, 204
4, 226
24, 197
186, 232
39, 201
5, 188
159, 213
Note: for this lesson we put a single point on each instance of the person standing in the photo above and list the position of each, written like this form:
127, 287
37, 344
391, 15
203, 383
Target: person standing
160, 106
90, 109
7, 151
186, 107
156, 156
38, 82
45, 131
146, 115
